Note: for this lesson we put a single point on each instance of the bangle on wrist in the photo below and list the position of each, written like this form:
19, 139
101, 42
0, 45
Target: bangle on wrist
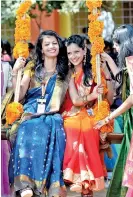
84, 98
107, 119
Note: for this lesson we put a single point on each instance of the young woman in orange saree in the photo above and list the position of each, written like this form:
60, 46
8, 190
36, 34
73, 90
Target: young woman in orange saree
82, 164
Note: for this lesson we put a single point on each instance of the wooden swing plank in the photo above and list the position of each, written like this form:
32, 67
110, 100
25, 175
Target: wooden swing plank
113, 138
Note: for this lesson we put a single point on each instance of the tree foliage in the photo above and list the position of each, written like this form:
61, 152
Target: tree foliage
8, 8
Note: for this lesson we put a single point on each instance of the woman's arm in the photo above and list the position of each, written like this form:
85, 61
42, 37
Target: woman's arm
20, 63
82, 100
109, 82
128, 103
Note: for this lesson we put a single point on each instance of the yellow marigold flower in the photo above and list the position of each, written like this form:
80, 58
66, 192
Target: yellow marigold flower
24, 7
21, 49
13, 112
93, 4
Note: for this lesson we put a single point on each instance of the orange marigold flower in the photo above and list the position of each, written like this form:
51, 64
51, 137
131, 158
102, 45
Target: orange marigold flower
22, 30
95, 29
93, 4
98, 46
24, 7
101, 113
21, 49
94, 17
13, 112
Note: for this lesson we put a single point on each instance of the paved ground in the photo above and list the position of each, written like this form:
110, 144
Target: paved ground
96, 194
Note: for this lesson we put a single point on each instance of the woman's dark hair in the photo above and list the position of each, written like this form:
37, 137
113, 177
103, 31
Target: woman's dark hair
120, 36
87, 67
62, 60
123, 36
6, 47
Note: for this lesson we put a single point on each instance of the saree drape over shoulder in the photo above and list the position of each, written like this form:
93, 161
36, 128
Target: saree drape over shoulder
37, 153
82, 164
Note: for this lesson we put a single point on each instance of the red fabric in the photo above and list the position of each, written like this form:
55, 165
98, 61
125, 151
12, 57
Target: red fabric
82, 163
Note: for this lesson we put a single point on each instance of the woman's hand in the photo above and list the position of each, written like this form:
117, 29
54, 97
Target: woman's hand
100, 123
105, 57
20, 63
97, 90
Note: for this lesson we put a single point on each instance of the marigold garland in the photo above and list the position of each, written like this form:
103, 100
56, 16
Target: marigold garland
95, 29
22, 35
21, 49
92, 4
13, 112
94, 33
22, 30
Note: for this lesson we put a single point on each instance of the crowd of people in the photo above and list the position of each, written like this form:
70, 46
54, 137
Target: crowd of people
56, 142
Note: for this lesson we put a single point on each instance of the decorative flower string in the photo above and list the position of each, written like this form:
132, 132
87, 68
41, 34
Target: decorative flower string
94, 33
22, 30
22, 35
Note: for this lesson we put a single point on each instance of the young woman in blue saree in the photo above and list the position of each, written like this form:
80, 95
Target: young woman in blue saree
38, 138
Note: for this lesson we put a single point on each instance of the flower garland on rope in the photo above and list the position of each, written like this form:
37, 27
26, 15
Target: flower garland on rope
22, 34
95, 31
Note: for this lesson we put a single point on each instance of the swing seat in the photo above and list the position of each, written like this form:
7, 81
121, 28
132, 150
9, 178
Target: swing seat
115, 138
112, 138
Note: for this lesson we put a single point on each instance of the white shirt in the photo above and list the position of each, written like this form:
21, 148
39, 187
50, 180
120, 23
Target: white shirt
7, 70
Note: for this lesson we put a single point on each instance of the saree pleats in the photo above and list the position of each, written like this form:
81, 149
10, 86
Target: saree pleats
82, 164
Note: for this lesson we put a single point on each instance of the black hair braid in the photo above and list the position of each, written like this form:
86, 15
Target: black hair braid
87, 68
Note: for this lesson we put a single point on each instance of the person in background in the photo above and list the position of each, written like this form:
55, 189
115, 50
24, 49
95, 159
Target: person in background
6, 85
31, 49
6, 51
123, 43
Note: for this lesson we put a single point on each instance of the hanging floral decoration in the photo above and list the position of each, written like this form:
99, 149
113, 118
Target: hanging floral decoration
13, 112
22, 30
22, 35
95, 36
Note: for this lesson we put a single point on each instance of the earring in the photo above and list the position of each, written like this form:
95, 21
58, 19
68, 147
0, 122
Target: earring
85, 49
84, 61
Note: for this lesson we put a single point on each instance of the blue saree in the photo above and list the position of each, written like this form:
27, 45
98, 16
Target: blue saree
38, 149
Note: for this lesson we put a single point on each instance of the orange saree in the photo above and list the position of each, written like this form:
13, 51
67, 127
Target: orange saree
82, 164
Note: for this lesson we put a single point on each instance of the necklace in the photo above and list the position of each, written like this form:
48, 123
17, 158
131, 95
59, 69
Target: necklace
48, 75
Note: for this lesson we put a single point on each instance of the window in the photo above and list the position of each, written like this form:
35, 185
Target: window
79, 21
127, 7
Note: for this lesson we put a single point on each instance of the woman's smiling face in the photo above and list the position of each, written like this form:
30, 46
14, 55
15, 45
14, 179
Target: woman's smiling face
75, 54
50, 46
